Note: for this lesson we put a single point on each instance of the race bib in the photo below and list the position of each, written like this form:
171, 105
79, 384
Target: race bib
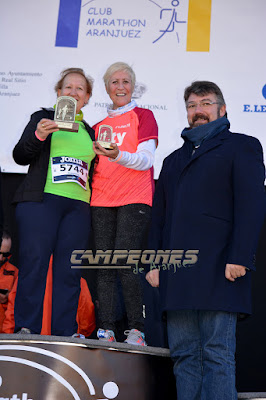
69, 169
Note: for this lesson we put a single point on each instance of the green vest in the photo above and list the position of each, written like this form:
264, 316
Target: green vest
75, 146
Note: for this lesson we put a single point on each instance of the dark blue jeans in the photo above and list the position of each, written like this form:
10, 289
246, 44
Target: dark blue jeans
57, 225
202, 346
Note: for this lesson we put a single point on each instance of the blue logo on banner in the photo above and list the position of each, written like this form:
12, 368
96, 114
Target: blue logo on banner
172, 15
68, 23
109, 25
258, 108
264, 91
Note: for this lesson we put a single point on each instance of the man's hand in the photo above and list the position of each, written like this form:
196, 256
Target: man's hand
233, 271
153, 277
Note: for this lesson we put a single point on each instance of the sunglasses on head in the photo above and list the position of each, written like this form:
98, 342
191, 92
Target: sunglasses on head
7, 254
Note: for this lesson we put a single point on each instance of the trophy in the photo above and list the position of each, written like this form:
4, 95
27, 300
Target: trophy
65, 112
105, 136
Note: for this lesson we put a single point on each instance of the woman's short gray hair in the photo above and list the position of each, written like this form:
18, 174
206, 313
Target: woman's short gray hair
119, 66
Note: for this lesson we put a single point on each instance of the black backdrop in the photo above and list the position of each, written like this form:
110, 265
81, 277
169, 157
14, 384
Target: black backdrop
251, 332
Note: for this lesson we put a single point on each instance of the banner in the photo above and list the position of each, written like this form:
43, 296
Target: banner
42, 370
169, 44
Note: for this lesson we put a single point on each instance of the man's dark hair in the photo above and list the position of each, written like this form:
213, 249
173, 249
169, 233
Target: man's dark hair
201, 88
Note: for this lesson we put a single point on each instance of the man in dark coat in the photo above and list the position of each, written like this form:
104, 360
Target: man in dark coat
209, 204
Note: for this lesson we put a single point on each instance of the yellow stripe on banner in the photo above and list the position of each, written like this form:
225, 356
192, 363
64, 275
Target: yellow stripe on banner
199, 25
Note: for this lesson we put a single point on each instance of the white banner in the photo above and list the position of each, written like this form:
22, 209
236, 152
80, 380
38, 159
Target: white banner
168, 43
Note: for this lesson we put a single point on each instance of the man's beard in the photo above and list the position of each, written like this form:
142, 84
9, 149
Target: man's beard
204, 117
197, 117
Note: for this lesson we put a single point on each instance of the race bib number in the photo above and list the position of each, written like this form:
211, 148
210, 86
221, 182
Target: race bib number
69, 169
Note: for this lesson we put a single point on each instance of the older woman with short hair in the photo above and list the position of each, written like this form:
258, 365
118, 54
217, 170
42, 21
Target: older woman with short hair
122, 192
53, 213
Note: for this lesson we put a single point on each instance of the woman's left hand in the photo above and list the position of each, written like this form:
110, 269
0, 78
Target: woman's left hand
101, 151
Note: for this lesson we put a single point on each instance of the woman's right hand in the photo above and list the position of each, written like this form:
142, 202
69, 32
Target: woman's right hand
101, 151
45, 127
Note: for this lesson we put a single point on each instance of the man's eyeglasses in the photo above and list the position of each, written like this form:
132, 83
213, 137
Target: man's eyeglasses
7, 254
202, 104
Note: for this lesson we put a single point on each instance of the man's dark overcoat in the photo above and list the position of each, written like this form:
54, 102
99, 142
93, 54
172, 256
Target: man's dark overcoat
212, 201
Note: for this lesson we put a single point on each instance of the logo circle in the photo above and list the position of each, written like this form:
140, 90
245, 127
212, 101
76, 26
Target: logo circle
110, 390
264, 91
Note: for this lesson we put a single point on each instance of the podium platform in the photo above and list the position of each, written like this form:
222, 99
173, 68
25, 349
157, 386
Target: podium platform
35, 367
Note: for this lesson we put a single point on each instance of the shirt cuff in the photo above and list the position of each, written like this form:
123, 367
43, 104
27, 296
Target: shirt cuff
38, 137
119, 156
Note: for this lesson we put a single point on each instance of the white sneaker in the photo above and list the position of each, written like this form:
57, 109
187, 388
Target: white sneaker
135, 337
24, 331
78, 335
106, 335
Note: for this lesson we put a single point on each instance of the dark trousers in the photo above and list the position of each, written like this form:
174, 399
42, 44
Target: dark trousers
120, 228
57, 225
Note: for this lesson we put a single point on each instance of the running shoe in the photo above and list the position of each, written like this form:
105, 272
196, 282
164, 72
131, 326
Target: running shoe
135, 337
106, 335
24, 331
78, 335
